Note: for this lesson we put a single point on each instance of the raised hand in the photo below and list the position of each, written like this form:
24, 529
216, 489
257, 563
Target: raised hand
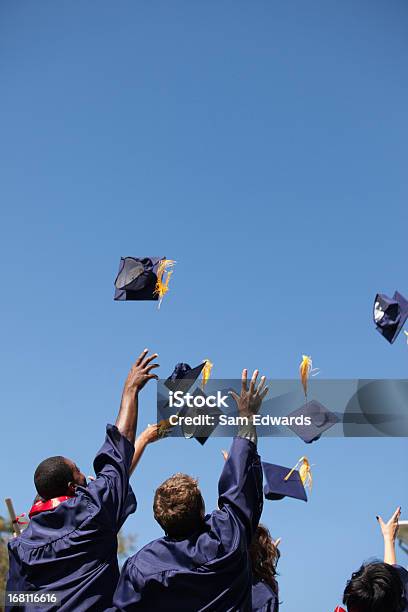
140, 372
155, 432
139, 375
390, 529
250, 400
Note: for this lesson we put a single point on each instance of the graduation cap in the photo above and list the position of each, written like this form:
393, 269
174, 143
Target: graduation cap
142, 278
390, 314
183, 377
282, 482
321, 420
202, 431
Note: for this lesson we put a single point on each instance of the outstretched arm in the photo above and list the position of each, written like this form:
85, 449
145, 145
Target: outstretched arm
138, 376
240, 485
152, 433
389, 531
112, 497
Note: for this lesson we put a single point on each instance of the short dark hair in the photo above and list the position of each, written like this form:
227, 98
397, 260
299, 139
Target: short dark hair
178, 506
52, 476
375, 587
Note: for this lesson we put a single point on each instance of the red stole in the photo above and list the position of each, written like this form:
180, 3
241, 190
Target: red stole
50, 504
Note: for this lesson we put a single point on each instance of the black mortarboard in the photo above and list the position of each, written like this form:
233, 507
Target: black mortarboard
277, 487
183, 377
203, 431
137, 278
321, 420
390, 314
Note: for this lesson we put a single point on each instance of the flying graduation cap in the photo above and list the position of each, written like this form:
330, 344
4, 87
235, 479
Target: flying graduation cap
321, 420
143, 278
286, 482
183, 377
390, 315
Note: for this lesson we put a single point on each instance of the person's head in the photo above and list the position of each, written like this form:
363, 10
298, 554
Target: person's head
264, 557
375, 587
178, 506
57, 476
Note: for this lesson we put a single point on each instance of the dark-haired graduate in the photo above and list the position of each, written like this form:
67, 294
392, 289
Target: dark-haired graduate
379, 587
202, 563
264, 554
70, 545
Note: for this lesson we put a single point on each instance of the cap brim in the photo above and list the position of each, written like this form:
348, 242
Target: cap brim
139, 289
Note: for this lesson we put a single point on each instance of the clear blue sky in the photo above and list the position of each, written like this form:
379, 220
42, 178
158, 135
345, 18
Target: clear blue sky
263, 145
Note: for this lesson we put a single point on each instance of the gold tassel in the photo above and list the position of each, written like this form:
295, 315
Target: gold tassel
206, 371
305, 472
162, 284
306, 369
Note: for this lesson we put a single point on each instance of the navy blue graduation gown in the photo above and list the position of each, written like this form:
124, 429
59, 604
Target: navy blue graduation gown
73, 549
264, 598
209, 570
404, 579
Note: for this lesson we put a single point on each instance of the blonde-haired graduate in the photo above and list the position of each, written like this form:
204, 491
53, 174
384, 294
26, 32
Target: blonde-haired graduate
202, 561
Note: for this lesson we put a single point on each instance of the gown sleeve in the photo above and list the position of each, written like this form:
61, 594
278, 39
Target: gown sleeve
403, 574
111, 492
240, 485
128, 594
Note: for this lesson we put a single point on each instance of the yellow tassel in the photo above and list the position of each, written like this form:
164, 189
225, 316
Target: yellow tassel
306, 369
206, 371
162, 284
305, 472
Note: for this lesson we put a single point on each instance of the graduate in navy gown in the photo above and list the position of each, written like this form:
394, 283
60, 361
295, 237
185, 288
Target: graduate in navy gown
264, 555
381, 587
202, 561
70, 545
